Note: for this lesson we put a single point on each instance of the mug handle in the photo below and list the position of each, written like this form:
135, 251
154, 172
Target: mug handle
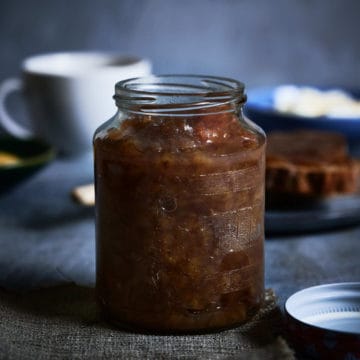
7, 87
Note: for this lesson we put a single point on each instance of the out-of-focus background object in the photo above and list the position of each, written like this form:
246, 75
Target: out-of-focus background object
289, 107
84, 194
259, 42
311, 102
19, 159
68, 95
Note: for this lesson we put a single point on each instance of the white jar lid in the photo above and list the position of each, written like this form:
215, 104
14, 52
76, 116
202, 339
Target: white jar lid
324, 320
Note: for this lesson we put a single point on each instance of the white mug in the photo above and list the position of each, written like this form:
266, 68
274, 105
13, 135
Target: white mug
68, 95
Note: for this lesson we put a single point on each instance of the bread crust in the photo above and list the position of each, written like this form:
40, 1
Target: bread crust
313, 163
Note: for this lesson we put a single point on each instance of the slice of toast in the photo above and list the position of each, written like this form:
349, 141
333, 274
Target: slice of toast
309, 162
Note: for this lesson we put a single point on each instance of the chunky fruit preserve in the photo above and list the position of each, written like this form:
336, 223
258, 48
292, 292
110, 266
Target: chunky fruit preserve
179, 208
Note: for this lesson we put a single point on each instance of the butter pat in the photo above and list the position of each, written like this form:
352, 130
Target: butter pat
312, 102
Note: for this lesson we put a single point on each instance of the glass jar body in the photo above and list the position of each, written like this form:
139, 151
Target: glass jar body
179, 219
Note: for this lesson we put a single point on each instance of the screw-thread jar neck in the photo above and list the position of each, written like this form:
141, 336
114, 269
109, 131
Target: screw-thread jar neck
171, 95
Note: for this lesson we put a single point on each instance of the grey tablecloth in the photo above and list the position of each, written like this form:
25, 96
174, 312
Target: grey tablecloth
46, 240
63, 323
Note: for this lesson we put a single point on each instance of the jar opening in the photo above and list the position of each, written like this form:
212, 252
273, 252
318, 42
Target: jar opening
179, 94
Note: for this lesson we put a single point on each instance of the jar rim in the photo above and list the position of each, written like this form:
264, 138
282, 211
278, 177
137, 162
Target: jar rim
172, 93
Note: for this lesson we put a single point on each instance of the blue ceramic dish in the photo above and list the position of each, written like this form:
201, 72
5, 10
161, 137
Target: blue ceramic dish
260, 109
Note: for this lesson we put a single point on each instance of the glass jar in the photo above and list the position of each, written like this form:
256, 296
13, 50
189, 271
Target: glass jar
179, 176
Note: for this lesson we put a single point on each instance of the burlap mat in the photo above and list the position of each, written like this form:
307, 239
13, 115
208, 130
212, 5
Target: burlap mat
63, 323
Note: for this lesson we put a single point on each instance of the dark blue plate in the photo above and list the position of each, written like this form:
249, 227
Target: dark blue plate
259, 108
310, 216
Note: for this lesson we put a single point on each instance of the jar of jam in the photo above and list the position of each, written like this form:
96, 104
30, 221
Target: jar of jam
179, 176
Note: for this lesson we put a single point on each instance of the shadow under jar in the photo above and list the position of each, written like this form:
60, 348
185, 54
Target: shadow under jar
179, 175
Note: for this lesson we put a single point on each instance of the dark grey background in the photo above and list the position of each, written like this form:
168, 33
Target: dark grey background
257, 41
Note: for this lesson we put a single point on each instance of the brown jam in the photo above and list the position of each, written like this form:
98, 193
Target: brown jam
180, 205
